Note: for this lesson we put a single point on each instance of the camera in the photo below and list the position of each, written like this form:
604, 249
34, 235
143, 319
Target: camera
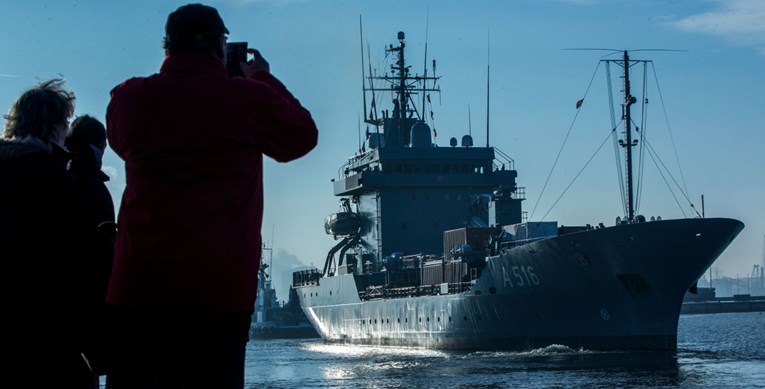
236, 52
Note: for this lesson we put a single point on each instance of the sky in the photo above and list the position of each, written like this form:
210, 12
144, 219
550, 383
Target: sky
704, 111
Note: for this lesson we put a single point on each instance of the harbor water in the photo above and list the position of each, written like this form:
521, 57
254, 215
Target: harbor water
714, 350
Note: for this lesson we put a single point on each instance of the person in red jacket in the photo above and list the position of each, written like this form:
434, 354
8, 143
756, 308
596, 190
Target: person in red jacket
188, 245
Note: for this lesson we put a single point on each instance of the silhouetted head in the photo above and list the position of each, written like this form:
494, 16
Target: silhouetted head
195, 29
42, 112
86, 131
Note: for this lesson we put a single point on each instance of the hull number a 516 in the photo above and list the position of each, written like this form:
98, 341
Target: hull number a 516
520, 276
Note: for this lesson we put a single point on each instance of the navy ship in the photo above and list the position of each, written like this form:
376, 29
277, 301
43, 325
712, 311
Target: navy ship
272, 319
434, 250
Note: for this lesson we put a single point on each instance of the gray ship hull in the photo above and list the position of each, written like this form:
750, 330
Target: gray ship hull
611, 288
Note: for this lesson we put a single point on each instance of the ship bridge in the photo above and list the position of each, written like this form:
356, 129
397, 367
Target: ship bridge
414, 194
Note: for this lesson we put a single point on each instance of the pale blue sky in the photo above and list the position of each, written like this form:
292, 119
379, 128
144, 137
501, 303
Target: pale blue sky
713, 92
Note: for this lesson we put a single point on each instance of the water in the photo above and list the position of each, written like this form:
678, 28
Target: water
715, 351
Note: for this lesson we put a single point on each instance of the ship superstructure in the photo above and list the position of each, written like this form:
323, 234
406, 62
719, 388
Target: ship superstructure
433, 249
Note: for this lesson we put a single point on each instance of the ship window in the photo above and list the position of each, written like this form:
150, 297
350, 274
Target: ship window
330, 293
387, 321
450, 318
436, 168
375, 321
465, 169
420, 320
428, 320
439, 319
445, 168
414, 196
464, 317
426, 168
406, 320
417, 168
397, 168
403, 226
493, 290
408, 169
477, 292
399, 320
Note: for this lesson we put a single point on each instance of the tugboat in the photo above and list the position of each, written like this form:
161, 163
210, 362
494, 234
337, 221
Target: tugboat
272, 319
441, 256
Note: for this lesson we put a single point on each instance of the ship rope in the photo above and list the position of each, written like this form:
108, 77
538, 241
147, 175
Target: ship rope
578, 174
617, 153
654, 156
671, 136
560, 151
642, 129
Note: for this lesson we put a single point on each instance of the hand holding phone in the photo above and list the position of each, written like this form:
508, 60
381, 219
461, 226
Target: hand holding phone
236, 53
257, 64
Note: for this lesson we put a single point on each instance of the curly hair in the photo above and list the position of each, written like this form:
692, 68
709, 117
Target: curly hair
38, 110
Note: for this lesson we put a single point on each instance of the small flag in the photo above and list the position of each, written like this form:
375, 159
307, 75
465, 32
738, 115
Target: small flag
579, 103
435, 134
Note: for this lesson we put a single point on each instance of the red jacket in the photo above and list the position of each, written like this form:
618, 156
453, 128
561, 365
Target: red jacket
193, 140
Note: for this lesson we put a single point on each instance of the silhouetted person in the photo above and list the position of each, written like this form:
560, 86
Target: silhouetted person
48, 282
188, 243
86, 143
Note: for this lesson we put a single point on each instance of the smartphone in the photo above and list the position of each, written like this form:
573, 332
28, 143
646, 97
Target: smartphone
236, 52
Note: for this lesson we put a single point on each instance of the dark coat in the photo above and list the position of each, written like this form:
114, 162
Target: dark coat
51, 268
193, 140
85, 168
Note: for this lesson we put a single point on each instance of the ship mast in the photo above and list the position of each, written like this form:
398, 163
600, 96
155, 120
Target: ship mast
402, 85
628, 144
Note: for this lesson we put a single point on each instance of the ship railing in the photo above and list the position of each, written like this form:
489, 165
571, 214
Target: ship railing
377, 292
520, 242
502, 161
306, 277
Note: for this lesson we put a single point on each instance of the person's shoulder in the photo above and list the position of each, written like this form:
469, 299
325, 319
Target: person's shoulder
132, 84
